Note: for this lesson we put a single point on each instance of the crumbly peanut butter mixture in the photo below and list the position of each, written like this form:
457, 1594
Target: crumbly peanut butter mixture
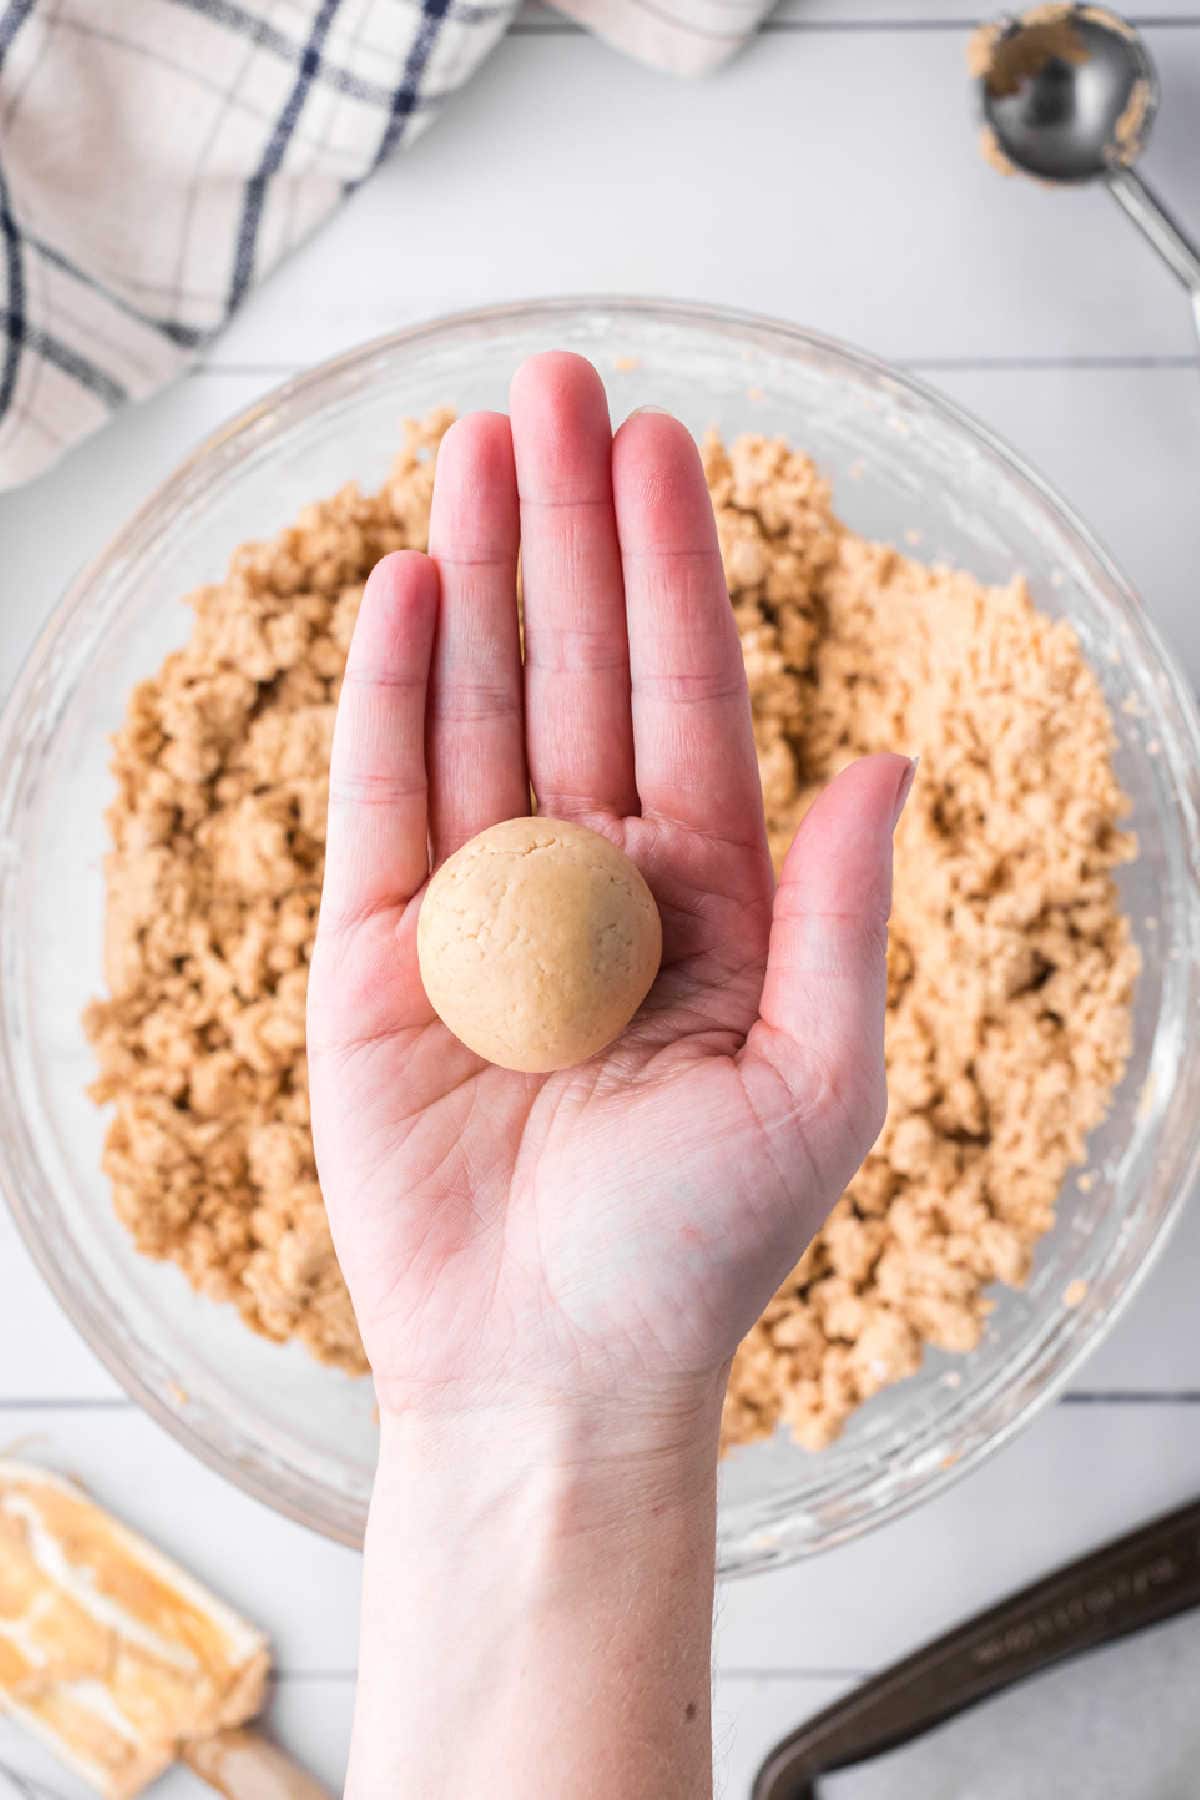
214, 879
1011, 966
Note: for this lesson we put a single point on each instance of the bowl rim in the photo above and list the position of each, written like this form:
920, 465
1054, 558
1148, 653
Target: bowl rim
204, 466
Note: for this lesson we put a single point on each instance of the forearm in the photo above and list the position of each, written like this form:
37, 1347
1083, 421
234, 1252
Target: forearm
537, 1612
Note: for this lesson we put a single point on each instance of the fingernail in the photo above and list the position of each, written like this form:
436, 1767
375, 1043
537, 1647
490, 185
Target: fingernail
904, 789
639, 410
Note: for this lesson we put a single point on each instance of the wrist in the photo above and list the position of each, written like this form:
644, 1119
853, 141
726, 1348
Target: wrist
534, 1572
572, 1467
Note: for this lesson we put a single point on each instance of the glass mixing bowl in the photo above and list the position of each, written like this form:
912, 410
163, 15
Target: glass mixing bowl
301, 1437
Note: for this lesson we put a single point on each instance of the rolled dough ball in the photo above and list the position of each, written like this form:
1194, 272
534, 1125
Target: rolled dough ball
538, 941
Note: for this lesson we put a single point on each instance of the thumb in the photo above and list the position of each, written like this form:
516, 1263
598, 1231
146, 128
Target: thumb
821, 1016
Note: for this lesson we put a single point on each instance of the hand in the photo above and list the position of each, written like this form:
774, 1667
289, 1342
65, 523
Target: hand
605, 1235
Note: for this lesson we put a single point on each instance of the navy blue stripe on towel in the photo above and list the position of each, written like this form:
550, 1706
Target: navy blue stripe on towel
256, 187
406, 97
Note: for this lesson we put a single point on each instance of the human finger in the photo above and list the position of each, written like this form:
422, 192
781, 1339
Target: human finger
694, 742
376, 846
577, 726
475, 734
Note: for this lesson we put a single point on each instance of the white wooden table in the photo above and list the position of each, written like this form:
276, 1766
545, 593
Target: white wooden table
828, 177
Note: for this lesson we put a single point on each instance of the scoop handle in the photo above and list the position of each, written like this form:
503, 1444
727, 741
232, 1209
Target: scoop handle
1156, 224
243, 1765
1139, 1580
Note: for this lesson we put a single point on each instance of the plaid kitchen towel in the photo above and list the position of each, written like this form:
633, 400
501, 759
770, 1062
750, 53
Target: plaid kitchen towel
158, 157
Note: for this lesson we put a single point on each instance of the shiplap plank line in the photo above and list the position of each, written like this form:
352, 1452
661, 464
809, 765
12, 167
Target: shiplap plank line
872, 15
283, 371
816, 26
1124, 1397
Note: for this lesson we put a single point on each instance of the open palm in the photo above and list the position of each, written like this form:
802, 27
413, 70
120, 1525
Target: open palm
612, 1229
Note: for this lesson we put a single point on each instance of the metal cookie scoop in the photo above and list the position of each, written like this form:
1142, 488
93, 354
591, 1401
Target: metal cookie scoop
1069, 94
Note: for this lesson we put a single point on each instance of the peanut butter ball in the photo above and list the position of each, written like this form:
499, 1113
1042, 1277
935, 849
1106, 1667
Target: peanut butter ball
537, 942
